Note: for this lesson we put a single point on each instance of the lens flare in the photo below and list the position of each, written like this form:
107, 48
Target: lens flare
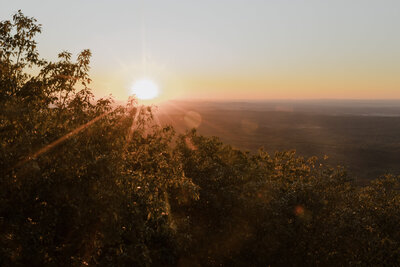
145, 89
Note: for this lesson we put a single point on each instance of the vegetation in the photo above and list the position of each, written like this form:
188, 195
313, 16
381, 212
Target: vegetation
86, 183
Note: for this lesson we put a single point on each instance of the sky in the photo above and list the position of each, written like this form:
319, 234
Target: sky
228, 49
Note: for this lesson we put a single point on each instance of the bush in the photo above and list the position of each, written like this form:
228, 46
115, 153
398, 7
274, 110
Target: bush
78, 186
86, 182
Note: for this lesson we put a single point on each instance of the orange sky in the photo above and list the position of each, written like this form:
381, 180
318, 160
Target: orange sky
229, 49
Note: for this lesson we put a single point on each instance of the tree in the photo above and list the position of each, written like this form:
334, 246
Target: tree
283, 210
86, 182
77, 185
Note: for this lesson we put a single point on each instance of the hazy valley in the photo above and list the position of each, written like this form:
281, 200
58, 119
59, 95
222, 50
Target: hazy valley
361, 135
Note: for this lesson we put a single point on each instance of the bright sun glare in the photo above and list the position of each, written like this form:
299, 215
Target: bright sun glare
145, 89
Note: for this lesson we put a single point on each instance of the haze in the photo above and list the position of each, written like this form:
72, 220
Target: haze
229, 49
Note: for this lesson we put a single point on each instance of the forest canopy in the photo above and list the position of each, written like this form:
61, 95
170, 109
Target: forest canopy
87, 182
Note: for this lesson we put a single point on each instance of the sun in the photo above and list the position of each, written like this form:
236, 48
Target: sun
145, 89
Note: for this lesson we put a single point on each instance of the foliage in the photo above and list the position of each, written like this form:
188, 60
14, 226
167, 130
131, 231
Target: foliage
284, 210
86, 182
78, 186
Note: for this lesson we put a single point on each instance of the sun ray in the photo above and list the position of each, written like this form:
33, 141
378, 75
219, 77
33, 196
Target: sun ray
157, 119
134, 124
60, 140
167, 116
215, 127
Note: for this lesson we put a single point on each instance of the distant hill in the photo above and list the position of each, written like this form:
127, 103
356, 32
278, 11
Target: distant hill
359, 134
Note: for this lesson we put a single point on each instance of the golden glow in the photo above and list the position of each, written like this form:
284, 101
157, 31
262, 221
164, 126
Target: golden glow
311, 82
145, 89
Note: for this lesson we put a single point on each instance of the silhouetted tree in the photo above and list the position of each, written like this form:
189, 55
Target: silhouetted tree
78, 186
86, 182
